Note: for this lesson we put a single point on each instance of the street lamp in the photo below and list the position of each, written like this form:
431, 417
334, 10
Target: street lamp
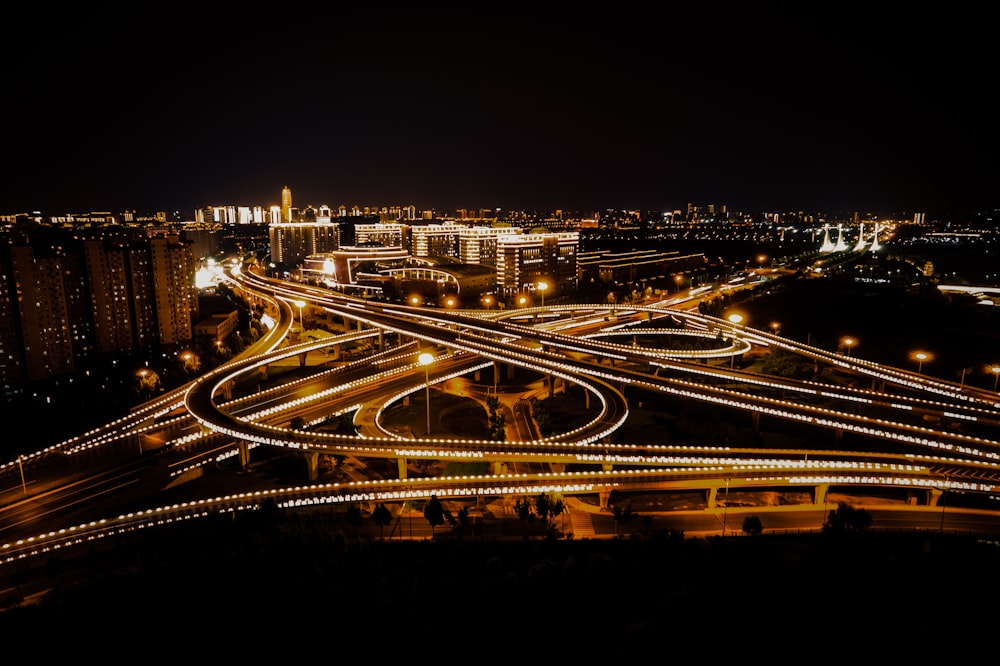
848, 343
425, 360
725, 509
735, 319
542, 286
921, 357
300, 305
679, 279
996, 376
775, 327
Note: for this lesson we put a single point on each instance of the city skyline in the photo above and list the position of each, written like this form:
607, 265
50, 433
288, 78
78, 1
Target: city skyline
753, 109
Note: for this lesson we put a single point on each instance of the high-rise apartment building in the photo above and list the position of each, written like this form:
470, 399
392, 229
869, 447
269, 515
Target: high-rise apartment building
292, 242
526, 259
435, 240
286, 204
68, 302
478, 245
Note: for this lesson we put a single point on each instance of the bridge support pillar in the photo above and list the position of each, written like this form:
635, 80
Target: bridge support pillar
603, 497
934, 497
244, 454
755, 420
302, 360
821, 492
401, 466
713, 493
838, 436
497, 468
510, 371
381, 340
312, 465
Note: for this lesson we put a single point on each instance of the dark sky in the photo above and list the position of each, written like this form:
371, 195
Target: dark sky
756, 106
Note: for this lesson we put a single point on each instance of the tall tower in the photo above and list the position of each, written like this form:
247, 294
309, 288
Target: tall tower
286, 204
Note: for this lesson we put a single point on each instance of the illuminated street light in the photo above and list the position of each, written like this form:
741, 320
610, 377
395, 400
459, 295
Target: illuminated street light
848, 343
542, 286
425, 360
679, 279
995, 369
921, 357
736, 319
522, 301
300, 305
775, 327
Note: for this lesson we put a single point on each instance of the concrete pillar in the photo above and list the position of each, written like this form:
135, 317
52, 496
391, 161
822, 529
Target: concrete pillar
312, 465
244, 454
302, 359
934, 497
755, 420
401, 465
821, 491
603, 498
497, 468
381, 340
712, 494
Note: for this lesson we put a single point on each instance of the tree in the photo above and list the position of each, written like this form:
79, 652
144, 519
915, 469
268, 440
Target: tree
382, 517
463, 520
622, 515
522, 507
434, 512
542, 508
752, 526
147, 382
354, 517
846, 518
497, 421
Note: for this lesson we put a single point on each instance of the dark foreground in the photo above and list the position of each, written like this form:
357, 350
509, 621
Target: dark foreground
261, 582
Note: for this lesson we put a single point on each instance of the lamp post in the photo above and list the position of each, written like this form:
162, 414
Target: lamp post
425, 360
542, 286
736, 319
725, 509
921, 357
848, 343
996, 376
300, 305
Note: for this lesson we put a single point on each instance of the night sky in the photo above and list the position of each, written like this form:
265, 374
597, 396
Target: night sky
755, 106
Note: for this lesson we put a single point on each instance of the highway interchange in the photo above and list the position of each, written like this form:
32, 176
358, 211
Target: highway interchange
933, 436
